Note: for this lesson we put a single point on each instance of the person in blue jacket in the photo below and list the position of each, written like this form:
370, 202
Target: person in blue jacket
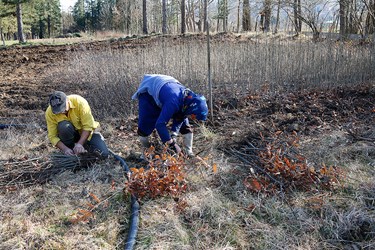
162, 98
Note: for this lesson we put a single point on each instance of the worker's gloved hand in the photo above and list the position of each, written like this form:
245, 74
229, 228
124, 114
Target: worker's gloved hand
79, 149
68, 151
174, 146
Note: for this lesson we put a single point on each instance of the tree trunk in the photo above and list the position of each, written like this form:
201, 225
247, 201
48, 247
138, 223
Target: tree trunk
205, 17
41, 29
370, 18
183, 15
218, 16
2, 36
225, 16
238, 16
299, 7
21, 36
200, 22
297, 16
164, 17
144, 15
191, 15
246, 21
49, 26
128, 17
267, 16
277, 16
351, 18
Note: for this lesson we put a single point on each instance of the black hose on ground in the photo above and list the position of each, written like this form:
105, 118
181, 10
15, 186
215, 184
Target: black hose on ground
134, 221
4, 126
134, 217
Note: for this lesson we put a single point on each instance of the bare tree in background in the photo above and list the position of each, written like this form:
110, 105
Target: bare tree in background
190, 16
246, 17
205, 17
296, 16
225, 15
183, 15
265, 16
352, 17
277, 16
313, 13
370, 17
222, 15
128, 16
200, 22
238, 16
343, 18
164, 17
144, 15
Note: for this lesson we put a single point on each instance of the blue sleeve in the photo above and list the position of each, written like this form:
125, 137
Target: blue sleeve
176, 125
167, 111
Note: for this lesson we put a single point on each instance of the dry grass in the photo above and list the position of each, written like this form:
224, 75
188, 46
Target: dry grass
20, 142
219, 214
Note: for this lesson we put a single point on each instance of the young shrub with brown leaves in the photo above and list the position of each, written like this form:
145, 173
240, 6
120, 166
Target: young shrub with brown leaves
284, 168
165, 176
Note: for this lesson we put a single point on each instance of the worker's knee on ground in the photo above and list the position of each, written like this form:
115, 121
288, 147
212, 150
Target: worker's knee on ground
67, 133
97, 146
66, 129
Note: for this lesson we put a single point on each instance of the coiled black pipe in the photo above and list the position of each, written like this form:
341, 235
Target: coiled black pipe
134, 217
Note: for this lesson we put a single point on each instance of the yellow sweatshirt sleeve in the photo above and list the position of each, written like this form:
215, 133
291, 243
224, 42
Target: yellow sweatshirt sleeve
51, 127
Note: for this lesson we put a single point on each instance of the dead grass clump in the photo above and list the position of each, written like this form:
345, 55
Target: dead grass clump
368, 195
352, 225
31, 140
160, 227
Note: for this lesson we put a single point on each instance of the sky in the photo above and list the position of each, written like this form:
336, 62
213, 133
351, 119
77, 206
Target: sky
65, 4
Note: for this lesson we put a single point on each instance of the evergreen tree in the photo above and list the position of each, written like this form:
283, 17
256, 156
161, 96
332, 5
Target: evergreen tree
46, 18
79, 15
18, 6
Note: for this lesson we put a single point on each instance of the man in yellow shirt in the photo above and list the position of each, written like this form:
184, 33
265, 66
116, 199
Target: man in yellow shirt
71, 126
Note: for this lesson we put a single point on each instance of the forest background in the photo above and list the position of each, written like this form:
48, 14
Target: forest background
33, 19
